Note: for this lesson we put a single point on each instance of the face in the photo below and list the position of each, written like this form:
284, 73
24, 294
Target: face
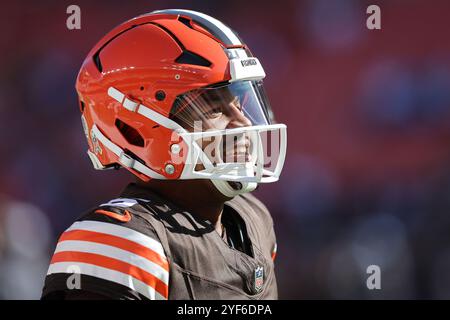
218, 110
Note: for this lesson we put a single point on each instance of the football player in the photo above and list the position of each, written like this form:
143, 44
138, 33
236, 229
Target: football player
176, 98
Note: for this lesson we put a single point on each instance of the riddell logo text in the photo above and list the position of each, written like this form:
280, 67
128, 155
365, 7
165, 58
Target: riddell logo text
248, 62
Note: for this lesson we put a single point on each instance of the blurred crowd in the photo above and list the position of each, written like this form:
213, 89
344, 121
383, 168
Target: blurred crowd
367, 175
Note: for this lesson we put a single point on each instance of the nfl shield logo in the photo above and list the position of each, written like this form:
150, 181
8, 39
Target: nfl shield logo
259, 278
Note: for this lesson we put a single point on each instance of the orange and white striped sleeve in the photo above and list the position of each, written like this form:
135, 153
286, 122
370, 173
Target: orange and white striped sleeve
110, 259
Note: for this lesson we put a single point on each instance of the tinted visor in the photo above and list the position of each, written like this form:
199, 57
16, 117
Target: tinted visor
212, 108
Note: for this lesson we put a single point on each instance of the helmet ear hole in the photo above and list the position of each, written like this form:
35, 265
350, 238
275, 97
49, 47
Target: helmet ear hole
130, 134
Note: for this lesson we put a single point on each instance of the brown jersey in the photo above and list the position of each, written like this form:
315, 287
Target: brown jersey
141, 246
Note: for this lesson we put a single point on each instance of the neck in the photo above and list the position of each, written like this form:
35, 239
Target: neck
199, 197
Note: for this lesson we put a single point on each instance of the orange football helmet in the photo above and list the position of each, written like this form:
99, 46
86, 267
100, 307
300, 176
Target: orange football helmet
155, 88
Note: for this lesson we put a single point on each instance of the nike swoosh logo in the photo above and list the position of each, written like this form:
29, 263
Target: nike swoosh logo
121, 217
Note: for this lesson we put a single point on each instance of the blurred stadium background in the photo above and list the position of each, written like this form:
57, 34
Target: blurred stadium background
367, 176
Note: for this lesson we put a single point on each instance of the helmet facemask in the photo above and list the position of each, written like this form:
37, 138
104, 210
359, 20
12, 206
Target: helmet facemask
233, 142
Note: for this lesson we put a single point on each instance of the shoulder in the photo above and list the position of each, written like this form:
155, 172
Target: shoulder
115, 251
130, 213
257, 206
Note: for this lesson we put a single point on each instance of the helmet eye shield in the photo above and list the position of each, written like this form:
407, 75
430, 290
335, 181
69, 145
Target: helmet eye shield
236, 104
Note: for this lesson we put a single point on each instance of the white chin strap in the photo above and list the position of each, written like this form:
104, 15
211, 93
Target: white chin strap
227, 190
225, 187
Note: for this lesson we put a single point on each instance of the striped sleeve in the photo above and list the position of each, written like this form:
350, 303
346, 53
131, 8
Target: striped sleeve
108, 255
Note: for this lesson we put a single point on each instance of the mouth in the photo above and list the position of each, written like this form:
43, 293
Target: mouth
238, 152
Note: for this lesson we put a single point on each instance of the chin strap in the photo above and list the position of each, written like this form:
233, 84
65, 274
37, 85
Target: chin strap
227, 190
